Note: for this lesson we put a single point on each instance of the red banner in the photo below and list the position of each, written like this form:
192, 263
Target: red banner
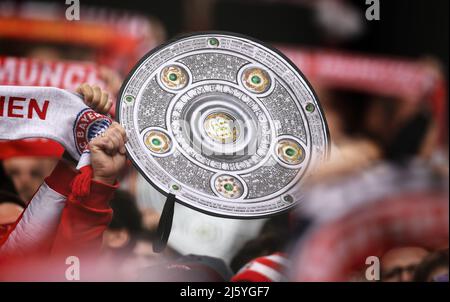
118, 38
407, 80
62, 74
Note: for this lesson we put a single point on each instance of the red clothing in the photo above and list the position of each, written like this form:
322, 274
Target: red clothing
271, 268
84, 219
58, 221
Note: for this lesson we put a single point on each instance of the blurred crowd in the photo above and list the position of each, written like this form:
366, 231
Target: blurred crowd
377, 210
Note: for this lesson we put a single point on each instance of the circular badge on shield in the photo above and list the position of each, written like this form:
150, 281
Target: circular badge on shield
225, 118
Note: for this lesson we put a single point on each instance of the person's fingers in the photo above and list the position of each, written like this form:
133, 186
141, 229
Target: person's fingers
97, 98
101, 144
123, 150
108, 106
87, 92
112, 141
119, 143
116, 132
121, 140
114, 124
110, 147
121, 130
117, 127
103, 102
116, 139
106, 142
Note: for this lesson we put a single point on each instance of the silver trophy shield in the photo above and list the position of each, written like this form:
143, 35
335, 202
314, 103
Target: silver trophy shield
226, 124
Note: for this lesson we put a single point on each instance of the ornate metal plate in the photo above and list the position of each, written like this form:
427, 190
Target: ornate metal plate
228, 125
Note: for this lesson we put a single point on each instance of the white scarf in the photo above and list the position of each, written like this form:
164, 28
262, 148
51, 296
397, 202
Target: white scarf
51, 113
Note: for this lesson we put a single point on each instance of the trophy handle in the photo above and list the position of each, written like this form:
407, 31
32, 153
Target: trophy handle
165, 224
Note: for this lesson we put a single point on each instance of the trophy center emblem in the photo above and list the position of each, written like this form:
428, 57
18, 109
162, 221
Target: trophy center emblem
221, 127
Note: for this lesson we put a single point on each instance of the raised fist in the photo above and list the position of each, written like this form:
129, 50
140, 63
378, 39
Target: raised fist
108, 154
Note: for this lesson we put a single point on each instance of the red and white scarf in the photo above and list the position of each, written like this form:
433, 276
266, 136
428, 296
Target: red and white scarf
52, 113
59, 115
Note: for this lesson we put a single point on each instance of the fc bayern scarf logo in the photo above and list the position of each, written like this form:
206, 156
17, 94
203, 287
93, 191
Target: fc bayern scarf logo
88, 125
